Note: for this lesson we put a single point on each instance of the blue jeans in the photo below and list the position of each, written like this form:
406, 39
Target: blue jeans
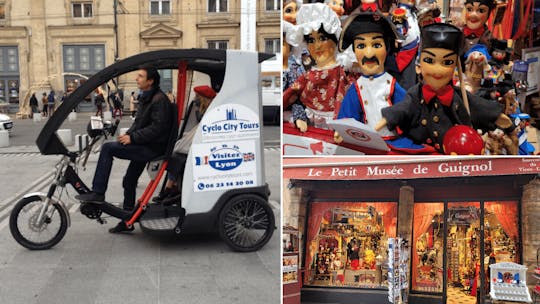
139, 156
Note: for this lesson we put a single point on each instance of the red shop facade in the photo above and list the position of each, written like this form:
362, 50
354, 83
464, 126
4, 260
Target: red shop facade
455, 216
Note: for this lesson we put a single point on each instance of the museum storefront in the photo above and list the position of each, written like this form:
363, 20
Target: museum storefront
456, 215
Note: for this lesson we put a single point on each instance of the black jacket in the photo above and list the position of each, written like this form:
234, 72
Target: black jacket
428, 123
154, 122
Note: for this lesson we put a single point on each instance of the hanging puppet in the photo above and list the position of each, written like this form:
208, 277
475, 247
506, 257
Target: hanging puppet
434, 106
476, 15
289, 10
336, 6
320, 90
291, 60
373, 37
405, 16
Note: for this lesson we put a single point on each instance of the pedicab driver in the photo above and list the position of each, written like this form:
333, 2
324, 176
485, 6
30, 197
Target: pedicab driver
177, 163
145, 140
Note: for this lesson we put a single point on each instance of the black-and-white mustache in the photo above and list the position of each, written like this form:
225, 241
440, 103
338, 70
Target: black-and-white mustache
374, 59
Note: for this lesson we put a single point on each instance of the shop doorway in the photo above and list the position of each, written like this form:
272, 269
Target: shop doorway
454, 244
463, 261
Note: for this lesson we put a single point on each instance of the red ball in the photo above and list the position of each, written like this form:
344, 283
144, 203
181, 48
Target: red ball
462, 140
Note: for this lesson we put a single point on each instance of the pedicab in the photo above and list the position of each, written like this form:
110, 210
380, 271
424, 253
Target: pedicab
224, 188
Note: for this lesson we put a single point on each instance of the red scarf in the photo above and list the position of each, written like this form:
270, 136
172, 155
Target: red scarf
444, 94
366, 7
477, 32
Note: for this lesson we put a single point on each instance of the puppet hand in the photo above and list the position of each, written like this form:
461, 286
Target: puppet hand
337, 138
381, 124
301, 124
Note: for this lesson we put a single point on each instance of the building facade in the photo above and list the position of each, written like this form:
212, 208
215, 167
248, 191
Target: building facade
55, 44
342, 216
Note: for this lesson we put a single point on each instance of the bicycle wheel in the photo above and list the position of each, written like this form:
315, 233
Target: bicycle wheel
27, 232
246, 223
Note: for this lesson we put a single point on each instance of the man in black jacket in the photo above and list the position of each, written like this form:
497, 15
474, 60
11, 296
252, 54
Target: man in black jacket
145, 140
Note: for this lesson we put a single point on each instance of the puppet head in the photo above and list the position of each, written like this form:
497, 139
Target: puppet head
289, 10
500, 51
319, 27
372, 37
477, 12
336, 6
440, 49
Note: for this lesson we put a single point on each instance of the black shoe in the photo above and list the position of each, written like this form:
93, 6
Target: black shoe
172, 198
91, 197
165, 195
121, 227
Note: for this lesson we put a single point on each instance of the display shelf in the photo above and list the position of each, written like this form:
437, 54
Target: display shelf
508, 283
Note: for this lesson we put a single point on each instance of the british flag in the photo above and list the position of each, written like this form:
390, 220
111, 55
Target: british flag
249, 156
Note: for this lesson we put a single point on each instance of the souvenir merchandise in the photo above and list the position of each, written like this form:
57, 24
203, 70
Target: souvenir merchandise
434, 106
292, 66
290, 9
509, 283
476, 16
372, 37
336, 6
476, 68
500, 59
405, 57
316, 96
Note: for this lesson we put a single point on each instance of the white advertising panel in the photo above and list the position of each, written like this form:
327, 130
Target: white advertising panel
219, 166
230, 121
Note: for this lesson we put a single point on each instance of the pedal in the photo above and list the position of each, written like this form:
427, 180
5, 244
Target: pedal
101, 221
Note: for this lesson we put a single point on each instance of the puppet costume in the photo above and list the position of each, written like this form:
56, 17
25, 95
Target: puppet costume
368, 96
321, 92
480, 34
426, 121
409, 49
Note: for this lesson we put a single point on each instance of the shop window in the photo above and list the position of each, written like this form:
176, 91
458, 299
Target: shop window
217, 6
82, 10
272, 46
427, 251
218, 44
160, 7
501, 231
347, 244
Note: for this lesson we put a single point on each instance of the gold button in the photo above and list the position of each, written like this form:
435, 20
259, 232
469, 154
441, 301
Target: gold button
388, 81
421, 101
435, 133
436, 105
361, 87
365, 102
436, 118
424, 122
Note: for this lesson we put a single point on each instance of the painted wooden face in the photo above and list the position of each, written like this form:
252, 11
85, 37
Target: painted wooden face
370, 51
289, 12
437, 66
336, 6
476, 15
321, 48
285, 48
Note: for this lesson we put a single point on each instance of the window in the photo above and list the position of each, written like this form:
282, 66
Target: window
9, 74
82, 10
2, 11
84, 59
160, 7
272, 5
347, 244
218, 44
217, 6
272, 45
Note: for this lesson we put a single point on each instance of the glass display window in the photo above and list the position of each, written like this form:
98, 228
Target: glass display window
347, 243
427, 250
501, 231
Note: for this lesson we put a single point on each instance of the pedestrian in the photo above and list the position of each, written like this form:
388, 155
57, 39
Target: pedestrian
145, 140
117, 103
98, 101
45, 102
132, 105
51, 101
33, 105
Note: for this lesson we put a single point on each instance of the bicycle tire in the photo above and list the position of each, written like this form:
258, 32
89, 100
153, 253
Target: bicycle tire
22, 239
246, 223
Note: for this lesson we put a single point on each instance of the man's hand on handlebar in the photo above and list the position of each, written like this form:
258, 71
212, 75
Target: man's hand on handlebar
124, 139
